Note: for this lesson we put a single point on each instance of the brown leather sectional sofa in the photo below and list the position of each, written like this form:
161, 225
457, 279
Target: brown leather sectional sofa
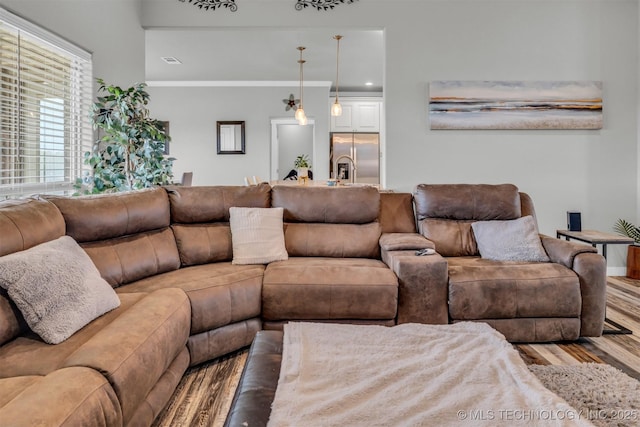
168, 253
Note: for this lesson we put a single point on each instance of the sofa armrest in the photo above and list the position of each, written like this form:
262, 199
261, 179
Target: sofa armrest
422, 281
404, 241
564, 252
591, 269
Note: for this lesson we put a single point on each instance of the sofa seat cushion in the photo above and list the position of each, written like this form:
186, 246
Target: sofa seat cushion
28, 354
329, 288
220, 293
486, 289
69, 397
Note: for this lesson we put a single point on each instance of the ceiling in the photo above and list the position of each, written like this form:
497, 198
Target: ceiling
255, 54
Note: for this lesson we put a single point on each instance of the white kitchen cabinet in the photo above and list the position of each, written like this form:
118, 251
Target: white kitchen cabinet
357, 116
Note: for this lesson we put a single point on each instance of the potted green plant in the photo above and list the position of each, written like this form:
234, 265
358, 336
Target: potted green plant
628, 229
302, 166
130, 153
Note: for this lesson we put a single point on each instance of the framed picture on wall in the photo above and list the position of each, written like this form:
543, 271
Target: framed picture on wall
458, 104
230, 137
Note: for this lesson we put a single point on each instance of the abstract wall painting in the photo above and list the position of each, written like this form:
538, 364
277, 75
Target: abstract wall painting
515, 104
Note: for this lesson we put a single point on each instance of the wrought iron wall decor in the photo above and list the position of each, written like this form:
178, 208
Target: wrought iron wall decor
301, 4
321, 4
214, 4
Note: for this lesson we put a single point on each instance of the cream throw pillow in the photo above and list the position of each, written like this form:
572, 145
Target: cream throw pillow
257, 235
56, 287
513, 240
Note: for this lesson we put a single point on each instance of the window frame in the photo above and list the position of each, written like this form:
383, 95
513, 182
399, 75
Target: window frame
78, 134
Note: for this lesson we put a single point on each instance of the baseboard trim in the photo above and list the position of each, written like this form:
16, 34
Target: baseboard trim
616, 271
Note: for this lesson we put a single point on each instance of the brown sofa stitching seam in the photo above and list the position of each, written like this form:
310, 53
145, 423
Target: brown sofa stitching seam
17, 228
155, 252
521, 280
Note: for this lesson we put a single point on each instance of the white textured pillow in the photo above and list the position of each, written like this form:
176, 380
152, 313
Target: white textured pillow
257, 235
514, 240
56, 287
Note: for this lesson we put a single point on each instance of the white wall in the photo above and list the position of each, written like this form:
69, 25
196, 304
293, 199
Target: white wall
109, 28
193, 112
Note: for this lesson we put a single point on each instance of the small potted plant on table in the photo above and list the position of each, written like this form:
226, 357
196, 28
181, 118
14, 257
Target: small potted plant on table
302, 165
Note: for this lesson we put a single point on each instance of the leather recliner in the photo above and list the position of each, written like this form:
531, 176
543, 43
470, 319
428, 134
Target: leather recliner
526, 301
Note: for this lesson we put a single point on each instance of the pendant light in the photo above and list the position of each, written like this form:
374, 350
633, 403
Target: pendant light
300, 115
336, 108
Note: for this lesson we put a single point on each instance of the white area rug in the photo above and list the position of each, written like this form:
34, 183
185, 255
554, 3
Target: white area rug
605, 395
409, 375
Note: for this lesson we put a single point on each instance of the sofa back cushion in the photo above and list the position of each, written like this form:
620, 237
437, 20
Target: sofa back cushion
446, 211
330, 222
107, 216
23, 224
203, 243
451, 237
194, 205
332, 240
27, 223
342, 205
129, 258
480, 202
527, 208
127, 235
200, 219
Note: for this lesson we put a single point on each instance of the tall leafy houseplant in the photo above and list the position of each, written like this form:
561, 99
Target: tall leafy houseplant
130, 153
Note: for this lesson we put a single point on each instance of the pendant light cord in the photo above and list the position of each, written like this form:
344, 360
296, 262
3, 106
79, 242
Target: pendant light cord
301, 62
338, 37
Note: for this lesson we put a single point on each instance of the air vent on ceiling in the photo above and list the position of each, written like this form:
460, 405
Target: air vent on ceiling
171, 60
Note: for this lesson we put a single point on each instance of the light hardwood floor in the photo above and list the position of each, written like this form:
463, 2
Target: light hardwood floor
620, 351
205, 393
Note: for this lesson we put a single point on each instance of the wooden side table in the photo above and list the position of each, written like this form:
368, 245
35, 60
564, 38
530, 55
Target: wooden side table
595, 238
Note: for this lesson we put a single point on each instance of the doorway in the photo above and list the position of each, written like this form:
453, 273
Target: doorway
288, 141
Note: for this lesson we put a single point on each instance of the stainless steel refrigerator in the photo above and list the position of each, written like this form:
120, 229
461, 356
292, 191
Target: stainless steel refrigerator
364, 149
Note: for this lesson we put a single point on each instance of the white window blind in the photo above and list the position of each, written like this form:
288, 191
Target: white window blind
45, 98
